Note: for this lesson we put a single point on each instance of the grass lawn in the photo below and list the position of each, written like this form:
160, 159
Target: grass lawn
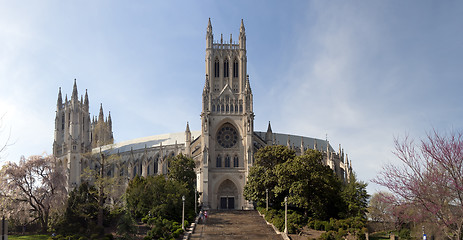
28, 237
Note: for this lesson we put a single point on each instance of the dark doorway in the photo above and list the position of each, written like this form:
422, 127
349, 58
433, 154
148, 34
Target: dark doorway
231, 203
227, 203
223, 203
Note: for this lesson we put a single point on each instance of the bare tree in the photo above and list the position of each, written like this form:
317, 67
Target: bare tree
380, 209
428, 185
5, 140
37, 182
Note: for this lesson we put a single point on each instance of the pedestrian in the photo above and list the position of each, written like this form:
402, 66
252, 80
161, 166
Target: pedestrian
201, 216
205, 216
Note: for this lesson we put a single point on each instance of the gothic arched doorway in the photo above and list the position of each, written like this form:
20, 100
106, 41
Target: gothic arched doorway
227, 195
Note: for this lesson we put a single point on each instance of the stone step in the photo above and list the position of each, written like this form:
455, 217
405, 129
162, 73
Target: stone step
234, 224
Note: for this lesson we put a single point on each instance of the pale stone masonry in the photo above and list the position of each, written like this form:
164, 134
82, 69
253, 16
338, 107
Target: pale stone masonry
223, 150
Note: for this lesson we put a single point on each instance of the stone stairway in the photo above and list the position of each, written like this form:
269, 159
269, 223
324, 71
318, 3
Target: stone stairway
225, 225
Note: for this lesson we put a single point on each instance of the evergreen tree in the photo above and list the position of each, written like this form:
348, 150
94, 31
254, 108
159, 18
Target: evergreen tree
262, 176
355, 198
81, 211
310, 185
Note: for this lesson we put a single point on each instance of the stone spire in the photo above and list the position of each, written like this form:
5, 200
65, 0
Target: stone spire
86, 103
269, 134
242, 36
110, 122
188, 140
288, 143
209, 26
101, 116
74, 90
209, 36
59, 103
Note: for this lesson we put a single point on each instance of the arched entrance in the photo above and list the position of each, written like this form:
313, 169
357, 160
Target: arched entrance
227, 195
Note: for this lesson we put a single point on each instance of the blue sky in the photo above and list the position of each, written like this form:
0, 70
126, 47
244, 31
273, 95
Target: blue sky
361, 72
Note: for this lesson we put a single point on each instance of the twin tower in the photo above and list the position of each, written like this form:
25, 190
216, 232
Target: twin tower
76, 133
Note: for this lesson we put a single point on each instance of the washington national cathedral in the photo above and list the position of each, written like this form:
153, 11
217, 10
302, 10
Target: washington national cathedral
223, 150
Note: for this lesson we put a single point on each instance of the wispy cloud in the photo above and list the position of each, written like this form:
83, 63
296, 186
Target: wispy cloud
361, 72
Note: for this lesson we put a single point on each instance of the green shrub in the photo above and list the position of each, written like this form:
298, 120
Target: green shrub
328, 226
331, 235
404, 233
310, 223
319, 225
145, 219
279, 222
341, 232
177, 233
94, 236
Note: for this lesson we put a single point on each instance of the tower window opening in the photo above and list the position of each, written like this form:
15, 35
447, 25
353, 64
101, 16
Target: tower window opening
213, 107
62, 122
236, 161
236, 108
227, 161
228, 108
222, 108
241, 108
235, 68
216, 68
225, 68
231, 108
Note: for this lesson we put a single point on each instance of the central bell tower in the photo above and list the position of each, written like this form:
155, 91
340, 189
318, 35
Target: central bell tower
227, 123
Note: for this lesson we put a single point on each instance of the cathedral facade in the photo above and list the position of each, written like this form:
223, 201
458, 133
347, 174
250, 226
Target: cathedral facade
223, 150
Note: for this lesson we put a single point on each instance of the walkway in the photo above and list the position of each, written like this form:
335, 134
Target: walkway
225, 225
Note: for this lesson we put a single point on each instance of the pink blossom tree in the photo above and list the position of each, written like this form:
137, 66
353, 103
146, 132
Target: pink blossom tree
36, 182
428, 185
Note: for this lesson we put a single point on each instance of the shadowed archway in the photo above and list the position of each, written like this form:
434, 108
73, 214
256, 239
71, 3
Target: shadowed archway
227, 195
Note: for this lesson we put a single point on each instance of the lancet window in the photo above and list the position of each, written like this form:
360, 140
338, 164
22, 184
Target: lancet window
236, 161
227, 161
216, 68
235, 68
219, 161
225, 68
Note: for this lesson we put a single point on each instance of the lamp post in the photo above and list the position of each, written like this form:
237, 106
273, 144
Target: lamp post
266, 193
286, 215
183, 213
196, 201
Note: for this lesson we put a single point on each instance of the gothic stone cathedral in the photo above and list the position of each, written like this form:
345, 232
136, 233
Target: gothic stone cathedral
223, 150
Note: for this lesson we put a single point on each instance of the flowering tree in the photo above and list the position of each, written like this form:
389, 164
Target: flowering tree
428, 185
35, 182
